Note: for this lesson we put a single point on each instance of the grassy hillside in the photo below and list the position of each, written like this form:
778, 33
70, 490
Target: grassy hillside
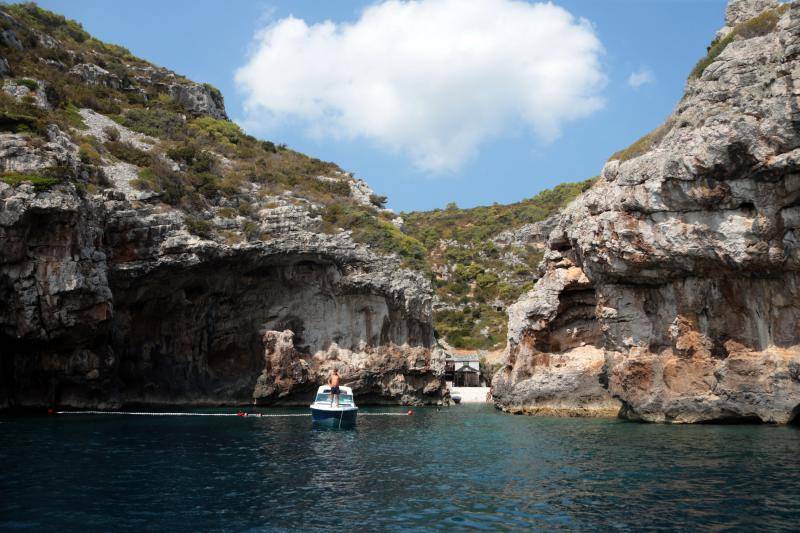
197, 161
200, 162
476, 278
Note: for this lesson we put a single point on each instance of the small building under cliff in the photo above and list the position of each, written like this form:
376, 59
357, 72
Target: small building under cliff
463, 370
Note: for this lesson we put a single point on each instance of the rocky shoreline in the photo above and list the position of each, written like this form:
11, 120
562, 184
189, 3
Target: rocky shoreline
155, 254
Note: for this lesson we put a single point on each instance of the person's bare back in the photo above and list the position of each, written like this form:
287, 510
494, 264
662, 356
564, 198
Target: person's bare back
333, 382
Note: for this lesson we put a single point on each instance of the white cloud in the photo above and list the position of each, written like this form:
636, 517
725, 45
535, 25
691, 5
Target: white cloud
430, 78
641, 77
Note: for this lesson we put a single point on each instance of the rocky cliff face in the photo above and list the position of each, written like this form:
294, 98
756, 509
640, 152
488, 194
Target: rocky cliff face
151, 270
670, 291
105, 304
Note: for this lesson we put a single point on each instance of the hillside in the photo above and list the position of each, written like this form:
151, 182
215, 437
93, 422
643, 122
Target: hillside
183, 150
482, 259
178, 148
151, 252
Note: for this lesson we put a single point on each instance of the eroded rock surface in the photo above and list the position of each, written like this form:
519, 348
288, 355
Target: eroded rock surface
105, 304
377, 373
681, 265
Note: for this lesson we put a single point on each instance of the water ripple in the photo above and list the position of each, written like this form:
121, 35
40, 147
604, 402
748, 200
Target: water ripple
468, 467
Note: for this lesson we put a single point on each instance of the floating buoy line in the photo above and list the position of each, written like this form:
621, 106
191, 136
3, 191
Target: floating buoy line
240, 414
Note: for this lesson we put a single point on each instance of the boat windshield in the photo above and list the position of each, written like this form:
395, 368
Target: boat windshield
344, 399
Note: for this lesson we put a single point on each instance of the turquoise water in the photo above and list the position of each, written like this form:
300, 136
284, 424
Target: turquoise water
464, 467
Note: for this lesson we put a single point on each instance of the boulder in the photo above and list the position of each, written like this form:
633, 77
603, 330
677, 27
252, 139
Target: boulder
92, 74
21, 91
199, 99
9, 38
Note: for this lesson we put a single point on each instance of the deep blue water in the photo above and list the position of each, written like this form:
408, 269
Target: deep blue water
464, 467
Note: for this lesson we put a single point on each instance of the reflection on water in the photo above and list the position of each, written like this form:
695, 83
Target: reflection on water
464, 467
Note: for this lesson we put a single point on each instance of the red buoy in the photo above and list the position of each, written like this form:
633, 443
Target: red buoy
240, 413
410, 412
50, 411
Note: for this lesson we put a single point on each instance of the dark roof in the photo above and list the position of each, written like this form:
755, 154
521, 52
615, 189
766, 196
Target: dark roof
467, 369
470, 358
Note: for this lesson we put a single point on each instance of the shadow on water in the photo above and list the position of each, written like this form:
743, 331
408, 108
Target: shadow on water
333, 426
735, 421
794, 421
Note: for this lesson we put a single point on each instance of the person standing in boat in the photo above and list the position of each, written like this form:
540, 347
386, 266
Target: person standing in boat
333, 382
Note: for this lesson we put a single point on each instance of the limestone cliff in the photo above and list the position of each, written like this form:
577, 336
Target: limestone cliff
152, 253
671, 290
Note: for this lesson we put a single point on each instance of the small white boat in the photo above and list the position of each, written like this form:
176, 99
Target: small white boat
323, 410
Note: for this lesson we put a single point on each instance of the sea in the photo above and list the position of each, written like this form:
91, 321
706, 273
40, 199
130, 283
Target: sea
464, 467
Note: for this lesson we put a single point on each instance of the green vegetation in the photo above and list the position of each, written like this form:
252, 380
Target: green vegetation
488, 370
378, 232
459, 242
192, 156
175, 188
477, 225
462, 329
72, 117
221, 131
57, 25
128, 153
42, 181
156, 122
88, 154
198, 226
644, 144
339, 188
30, 84
755, 27
197, 144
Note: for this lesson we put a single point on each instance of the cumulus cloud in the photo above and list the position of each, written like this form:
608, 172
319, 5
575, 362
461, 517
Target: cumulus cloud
432, 79
641, 77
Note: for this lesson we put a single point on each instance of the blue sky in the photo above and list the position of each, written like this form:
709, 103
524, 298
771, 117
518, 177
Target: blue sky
657, 41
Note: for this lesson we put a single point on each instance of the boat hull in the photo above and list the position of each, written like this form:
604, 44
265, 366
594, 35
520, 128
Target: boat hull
334, 417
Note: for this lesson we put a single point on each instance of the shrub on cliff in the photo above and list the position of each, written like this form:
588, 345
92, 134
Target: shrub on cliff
755, 27
335, 187
100, 99
644, 144
128, 153
48, 21
198, 226
32, 85
375, 231
41, 181
154, 122
192, 156
159, 177
217, 130
378, 200
88, 154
